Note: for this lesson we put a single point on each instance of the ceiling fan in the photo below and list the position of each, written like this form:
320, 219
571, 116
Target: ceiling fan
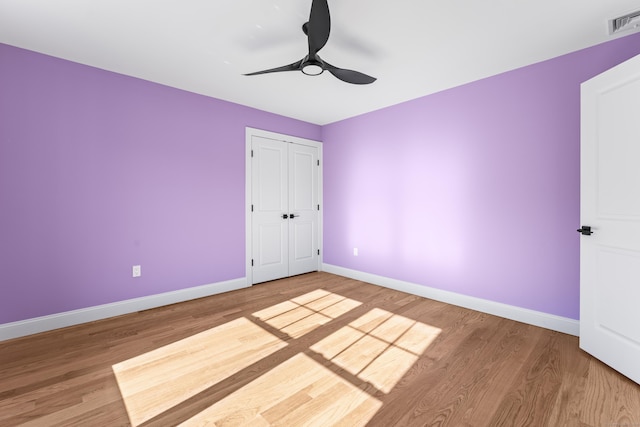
317, 30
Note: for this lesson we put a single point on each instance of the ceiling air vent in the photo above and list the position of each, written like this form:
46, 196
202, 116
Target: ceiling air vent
624, 23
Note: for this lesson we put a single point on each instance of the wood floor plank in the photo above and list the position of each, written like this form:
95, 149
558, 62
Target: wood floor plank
609, 400
316, 349
539, 383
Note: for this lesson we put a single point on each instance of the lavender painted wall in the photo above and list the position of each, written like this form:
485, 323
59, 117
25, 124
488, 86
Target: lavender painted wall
99, 172
473, 190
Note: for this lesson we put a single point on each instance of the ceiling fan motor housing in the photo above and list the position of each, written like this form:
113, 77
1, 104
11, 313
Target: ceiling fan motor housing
312, 66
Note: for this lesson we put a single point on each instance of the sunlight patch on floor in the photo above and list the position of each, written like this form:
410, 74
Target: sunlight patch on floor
307, 312
161, 379
297, 392
378, 347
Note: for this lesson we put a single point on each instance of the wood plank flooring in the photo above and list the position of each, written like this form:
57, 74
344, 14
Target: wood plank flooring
316, 349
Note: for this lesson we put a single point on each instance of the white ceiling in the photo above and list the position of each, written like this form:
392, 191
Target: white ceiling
413, 47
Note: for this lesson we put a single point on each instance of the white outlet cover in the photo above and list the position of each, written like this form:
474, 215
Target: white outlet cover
137, 272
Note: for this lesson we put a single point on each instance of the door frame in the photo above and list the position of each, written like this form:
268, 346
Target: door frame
249, 133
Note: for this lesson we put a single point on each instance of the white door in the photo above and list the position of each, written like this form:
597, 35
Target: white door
284, 198
303, 209
610, 205
270, 205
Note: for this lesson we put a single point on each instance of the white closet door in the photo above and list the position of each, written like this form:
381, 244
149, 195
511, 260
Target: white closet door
285, 208
270, 194
303, 205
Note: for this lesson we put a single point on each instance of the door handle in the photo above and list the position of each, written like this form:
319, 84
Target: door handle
585, 230
293, 216
284, 216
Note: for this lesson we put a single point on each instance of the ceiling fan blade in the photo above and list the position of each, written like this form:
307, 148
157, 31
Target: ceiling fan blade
350, 76
291, 67
319, 25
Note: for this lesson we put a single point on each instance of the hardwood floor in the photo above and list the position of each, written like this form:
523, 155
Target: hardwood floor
316, 349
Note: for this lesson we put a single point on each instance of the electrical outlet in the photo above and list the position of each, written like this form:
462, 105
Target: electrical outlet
136, 271
355, 251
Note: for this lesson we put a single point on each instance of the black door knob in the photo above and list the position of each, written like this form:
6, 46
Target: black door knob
285, 216
585, 230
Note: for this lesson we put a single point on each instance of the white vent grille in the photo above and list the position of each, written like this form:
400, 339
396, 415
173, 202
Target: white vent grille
628, 22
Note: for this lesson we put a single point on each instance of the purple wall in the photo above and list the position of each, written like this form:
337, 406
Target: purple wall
473, 190
99, 172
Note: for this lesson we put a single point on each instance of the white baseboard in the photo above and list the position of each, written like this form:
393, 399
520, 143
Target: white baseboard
75, 317
90, 314
531, 317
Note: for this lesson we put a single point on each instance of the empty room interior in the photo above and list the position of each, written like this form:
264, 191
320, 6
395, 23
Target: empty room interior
430, 218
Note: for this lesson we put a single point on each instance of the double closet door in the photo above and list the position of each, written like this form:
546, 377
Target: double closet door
285, 208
